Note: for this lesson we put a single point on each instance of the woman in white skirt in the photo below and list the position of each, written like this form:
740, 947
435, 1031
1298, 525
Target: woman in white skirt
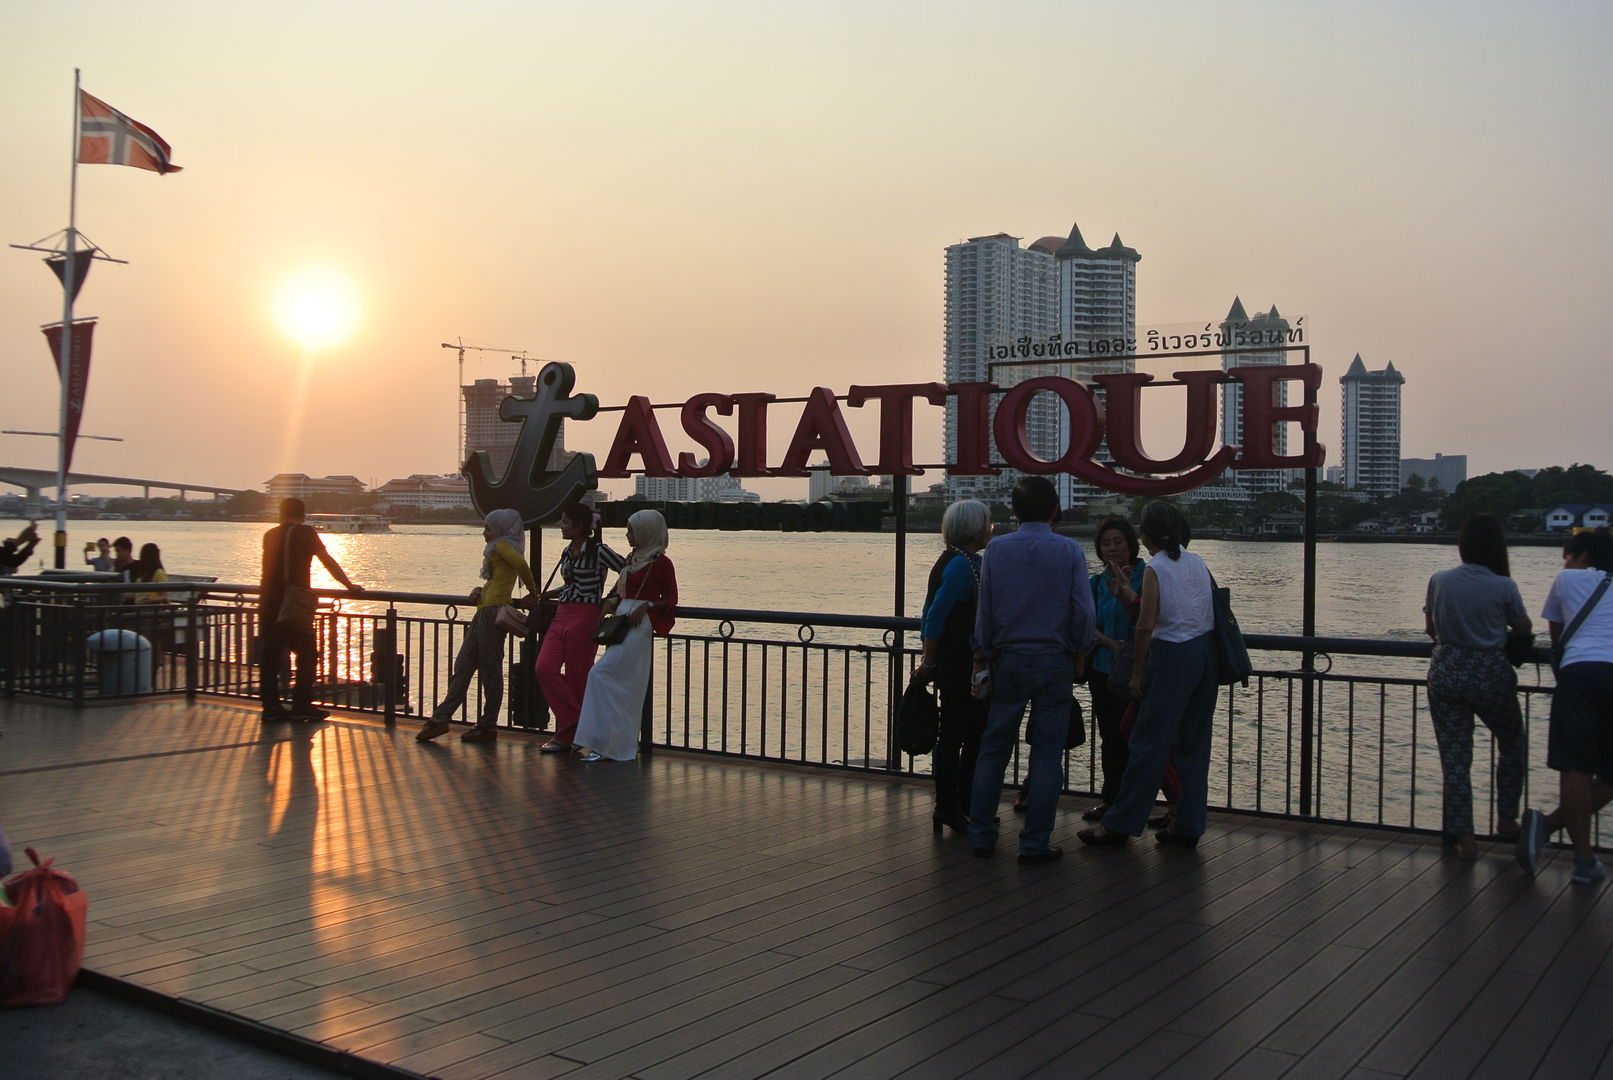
647, 593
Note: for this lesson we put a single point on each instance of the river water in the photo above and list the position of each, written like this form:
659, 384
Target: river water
1363, 590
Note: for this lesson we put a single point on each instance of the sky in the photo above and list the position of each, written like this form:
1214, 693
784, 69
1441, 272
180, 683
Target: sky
731, 196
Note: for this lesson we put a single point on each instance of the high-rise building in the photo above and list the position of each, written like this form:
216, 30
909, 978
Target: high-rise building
999, 294
821, 483
486, 430
1370, 456
1097, 301
1263, 326
722, 488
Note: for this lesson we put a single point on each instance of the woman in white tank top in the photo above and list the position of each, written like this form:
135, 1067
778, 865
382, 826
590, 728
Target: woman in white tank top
1174, 647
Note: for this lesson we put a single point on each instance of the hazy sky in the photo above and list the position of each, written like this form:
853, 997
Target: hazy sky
742, 196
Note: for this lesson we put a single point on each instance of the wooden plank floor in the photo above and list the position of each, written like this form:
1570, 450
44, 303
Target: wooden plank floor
476, 911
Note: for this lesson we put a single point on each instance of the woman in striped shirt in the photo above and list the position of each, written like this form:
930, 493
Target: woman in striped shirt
567, 653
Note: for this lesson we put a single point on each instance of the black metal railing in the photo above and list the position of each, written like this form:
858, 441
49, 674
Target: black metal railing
1300, 740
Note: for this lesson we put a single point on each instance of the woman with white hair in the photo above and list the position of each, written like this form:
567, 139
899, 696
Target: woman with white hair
482, 651
647, 593
946, 626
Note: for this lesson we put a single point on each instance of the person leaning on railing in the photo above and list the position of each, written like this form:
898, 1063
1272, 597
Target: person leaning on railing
567, 653
481, 654
646, 593
1579, 612
288, 552
946, 627
1469, 610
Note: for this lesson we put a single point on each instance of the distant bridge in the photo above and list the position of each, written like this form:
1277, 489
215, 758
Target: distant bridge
33, 481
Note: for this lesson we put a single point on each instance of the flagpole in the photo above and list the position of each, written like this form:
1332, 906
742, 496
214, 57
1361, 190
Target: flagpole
65, 363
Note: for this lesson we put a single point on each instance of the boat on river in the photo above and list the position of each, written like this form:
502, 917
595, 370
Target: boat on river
350, 523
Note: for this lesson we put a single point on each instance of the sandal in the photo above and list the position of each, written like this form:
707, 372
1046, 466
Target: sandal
1101, 837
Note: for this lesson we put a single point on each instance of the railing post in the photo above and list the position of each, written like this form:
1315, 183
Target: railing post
388, 660
193, 645
1307, 664
646, 719
79, 651
894, 681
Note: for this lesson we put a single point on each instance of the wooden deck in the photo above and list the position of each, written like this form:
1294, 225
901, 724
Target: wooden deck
468, 911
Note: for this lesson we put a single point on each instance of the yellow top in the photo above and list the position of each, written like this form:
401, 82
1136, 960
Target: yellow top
158, 574
504, 566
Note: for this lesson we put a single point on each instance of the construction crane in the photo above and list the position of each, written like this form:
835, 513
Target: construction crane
459, 345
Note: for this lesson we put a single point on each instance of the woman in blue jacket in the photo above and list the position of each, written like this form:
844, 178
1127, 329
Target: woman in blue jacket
1116, 593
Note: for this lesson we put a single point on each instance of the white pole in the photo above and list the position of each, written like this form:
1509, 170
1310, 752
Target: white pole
66, 364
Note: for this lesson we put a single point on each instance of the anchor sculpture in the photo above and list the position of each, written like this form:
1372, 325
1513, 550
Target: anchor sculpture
527, 487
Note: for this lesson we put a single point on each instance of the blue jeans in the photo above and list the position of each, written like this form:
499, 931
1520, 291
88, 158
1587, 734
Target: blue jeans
1044, 681
1176, 717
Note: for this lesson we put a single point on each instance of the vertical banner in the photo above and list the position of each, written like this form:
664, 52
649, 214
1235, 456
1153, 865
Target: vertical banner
77, 373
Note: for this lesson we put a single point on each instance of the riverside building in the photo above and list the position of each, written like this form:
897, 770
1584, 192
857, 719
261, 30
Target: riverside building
1261, 327
1000, 294
1370, 454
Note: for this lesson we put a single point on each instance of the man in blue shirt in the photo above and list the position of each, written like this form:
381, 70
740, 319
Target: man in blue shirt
1034, 618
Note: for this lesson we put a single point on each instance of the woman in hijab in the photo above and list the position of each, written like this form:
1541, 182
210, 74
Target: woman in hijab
647, 593
482, 651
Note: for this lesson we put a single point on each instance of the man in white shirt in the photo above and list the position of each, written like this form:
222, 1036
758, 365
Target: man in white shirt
1580, 746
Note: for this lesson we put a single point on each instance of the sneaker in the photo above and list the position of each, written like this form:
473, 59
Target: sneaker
309, 713
1588, 872
272, 713
1533, 835
480, 734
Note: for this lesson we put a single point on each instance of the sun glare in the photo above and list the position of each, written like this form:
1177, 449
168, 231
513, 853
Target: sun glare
317, 308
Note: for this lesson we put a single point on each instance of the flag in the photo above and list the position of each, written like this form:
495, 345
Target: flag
77, 372
81, 268
107, 137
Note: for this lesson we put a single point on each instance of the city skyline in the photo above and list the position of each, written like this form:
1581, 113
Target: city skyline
670, 212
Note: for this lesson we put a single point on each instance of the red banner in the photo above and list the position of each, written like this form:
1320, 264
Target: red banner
77, 374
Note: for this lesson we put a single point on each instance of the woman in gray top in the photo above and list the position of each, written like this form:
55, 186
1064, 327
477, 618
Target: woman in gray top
1469, 611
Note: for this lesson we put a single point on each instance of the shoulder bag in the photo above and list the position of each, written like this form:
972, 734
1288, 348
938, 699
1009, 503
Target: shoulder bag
612, 629
297, 602
1561, 643
1231, 654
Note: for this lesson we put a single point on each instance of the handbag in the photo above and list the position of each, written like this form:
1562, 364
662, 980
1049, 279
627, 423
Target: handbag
1121, 666
918, 719
543, 611
1561, 644
1520, 647
1231, 654
612, 629
297, 602
1076, 734
510, 620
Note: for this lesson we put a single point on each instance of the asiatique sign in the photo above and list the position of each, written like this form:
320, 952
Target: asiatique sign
739, 447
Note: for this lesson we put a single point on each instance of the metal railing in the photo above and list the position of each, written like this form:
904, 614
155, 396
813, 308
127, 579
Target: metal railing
788, 687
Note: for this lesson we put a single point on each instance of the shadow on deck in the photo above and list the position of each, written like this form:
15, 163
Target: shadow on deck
478, 911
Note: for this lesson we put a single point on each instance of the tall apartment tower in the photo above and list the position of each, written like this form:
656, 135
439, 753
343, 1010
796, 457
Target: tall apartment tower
485, 430
1260, 327
996, 292
1097, 299
1370, 456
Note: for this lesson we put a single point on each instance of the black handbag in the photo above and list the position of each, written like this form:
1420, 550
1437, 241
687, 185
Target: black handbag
1520, 647
1231, 654
543, 611
612, 629
1077, 733
1121, 665
918, 719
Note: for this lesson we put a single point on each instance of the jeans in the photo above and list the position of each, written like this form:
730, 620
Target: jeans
1044, 681
1176, 717
273, 645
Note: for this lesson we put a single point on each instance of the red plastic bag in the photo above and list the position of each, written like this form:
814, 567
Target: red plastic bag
42, 936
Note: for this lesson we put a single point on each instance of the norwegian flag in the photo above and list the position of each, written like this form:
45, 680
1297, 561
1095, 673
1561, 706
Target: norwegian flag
107, 137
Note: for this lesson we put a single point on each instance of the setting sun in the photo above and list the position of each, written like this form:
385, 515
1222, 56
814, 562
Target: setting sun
317, 308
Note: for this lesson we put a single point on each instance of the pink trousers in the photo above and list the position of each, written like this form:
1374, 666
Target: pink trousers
564, 660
